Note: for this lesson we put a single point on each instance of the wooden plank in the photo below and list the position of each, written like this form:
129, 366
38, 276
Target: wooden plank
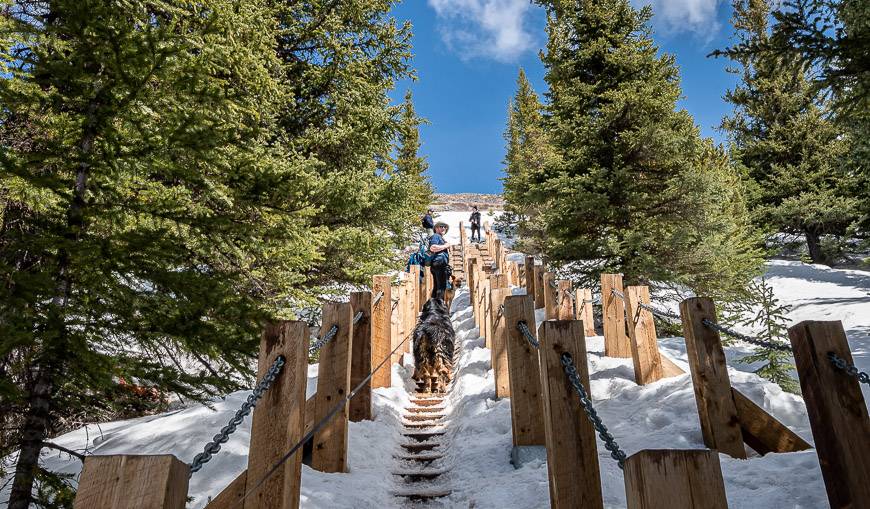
529, 271
231, 496
499, 351
564, 304
463, 237
674, 479
762, 431
551, 312
496, 281
410, 315
837, 412
720, 425
485, 322
538, 271
524, 375
642, 332
396, 323
572, 454
471, 278
381, 328
132, 482
278, 420
583, 306
361, 357
309, 414
616, 343
333, 383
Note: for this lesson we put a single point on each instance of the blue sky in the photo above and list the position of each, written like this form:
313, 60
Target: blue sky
467, 54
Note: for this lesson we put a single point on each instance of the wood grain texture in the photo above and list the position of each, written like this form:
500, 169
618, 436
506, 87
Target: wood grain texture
564, 302
132, 482
524, 374
529, 271
551, 311
333, 384
837, 412
642, 332
361, 357
583, 307
499, 353
674, 479
720, 425
381, 328
616, 342
762, 431
539, 286
231, 496
572, 453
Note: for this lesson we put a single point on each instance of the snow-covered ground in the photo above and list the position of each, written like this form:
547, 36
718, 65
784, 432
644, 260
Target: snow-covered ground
659, 415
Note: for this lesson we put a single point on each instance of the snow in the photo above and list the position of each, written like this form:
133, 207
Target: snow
659, 415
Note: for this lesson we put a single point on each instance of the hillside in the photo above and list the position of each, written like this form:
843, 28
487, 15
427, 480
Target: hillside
464, 201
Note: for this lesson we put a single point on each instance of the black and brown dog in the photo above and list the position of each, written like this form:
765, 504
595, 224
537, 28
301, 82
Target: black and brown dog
433, 347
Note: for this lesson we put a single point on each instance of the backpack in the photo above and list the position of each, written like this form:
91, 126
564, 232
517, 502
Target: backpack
421, 257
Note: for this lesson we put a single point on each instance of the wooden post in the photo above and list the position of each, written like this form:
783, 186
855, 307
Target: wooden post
430, 284
583, 298
572, 454
496, 281
361, 357
529, 270
674, 479
485, 323
395, 322
527, 408
616, 342
463, 237
642, 331
496, 254
564, 304
471, 275
415, 289
551, 311
539, 286
410, 313
837, 411
720, 425
499, 351
333, 384
132, 482
381, 329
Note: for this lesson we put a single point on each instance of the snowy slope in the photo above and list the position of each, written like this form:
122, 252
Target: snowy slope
660, 415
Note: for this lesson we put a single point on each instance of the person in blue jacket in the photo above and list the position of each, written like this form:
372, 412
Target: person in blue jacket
441, 261
428, 223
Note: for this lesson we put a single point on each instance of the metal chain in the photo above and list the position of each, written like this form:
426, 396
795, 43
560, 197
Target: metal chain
850, 369
523, 327
659, 312
553, 284
378, 298
614, 291
214, 446
357, 317
500, 313
609, 442
748, 339
330, 334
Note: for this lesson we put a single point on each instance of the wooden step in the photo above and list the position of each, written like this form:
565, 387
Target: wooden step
422, 494
422, 436
422, 425
417, 417
427, 401
420, 457
420, 475
425, 410
420, 447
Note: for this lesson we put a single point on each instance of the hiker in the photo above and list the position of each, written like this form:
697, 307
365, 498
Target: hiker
475, 223
440, 261
428, 223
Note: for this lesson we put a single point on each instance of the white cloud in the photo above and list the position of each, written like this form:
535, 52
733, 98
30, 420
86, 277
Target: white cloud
672, 16
485, 28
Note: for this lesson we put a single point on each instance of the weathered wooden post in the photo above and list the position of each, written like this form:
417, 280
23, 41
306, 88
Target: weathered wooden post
430, 285
529, 270
415, 291
333, 384
642, 332
499, 351
551, 311
410, 311
527, 407
583, 297
539, 286
572, 454
381, 328
497, 254
720, 425
674, 479
837, 411
564, 304
133, 482
463, 237
395, 322
496, 281
483, 307
361, 357
471, 275
616, 342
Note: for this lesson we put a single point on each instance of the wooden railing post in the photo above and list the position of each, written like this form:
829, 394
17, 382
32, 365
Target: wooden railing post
410, 315
674, 479
837, 411
381, 328
583, 298
333, 384
551, 312
524, 373
529, 270
361, 357
483, 309
642, 332
415, 289
132, 482
564, 304
616, 342
471, 275
463, 237
720, 425
539, 286
572, 454
499, 353
496, 281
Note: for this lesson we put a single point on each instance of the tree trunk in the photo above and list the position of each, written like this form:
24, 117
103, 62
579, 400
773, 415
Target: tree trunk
35, 428
815, 247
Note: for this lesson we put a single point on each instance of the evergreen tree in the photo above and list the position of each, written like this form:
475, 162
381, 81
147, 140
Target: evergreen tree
793, 153
634, 188
410, 166
529, 150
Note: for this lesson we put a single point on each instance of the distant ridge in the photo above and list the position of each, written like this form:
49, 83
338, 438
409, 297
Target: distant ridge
464, 201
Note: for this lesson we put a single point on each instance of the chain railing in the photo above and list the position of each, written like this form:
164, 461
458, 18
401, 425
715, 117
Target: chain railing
747, 339
326, 338
214, 446
849, 369
377, 298
523, 327
586, 402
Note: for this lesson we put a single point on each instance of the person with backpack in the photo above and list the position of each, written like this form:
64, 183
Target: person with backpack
428, 223
475, 223
440, 267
